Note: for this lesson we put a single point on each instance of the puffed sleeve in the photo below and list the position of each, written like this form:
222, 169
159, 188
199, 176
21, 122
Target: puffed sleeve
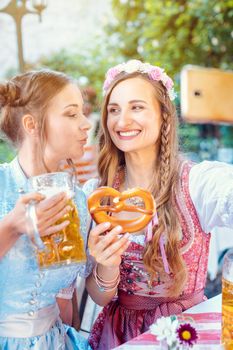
211, 190
90, 186
67, 293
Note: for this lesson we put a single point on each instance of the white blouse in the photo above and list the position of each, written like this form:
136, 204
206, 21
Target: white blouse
211, 190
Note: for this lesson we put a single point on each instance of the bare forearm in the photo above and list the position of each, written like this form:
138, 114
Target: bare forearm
102, 298
107, 250
8, 235
66, 310
76, 323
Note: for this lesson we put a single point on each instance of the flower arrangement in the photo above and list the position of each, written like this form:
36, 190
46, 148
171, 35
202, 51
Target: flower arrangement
132, 66
174, 334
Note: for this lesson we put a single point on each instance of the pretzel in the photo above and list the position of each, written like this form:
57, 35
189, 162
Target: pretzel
100, 213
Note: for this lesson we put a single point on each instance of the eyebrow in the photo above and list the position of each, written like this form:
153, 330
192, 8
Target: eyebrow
132, 101
71, 105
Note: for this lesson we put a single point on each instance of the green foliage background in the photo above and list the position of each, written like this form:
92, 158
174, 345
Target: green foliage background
175, 33
163, 32
6, 152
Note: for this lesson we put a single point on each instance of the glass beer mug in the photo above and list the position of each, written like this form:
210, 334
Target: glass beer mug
66, 246
227, 301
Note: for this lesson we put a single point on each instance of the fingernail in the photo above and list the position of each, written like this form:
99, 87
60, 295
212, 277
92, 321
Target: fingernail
107, 224
119, 228
65, 223
68, 208
127, 235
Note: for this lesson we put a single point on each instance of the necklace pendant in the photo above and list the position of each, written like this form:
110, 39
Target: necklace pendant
138, 202
149, 284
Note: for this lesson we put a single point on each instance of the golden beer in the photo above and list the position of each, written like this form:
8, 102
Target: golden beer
227, 314
66, 246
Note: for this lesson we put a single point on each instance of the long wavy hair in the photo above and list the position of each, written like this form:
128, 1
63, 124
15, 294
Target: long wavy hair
165, 182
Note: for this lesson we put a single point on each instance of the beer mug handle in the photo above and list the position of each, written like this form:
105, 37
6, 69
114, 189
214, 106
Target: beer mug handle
32, 220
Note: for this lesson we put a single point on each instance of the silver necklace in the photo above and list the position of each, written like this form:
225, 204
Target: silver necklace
140, 271
137, 201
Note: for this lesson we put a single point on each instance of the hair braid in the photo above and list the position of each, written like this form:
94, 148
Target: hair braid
165, 151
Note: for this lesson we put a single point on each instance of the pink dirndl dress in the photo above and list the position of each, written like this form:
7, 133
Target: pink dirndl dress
139, 304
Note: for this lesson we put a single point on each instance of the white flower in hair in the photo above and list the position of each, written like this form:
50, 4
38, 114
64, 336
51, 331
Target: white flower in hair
172, 95
132, 66
146, 67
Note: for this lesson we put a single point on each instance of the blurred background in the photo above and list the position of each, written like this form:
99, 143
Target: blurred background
84, 38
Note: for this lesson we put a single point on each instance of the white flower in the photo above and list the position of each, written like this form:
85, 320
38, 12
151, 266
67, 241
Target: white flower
132, 66
146, 67
172, 94
165, 329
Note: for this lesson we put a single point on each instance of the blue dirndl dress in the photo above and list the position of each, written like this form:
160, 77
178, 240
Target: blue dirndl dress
29, 315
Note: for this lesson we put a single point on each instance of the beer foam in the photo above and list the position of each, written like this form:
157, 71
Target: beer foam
52, 191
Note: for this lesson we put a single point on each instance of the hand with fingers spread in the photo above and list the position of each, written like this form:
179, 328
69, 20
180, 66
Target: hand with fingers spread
48, 211
107, 248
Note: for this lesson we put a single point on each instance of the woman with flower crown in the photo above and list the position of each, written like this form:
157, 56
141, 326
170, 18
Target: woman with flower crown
162, 273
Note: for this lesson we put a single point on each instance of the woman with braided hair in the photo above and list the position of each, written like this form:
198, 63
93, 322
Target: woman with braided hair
41, 114
162, 272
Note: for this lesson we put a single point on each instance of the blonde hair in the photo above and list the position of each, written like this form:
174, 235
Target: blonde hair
164, 183
29, 93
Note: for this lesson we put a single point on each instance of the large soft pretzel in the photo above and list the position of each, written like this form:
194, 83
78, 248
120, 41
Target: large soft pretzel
100, 213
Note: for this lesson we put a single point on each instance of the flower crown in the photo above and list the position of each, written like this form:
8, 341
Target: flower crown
132, 66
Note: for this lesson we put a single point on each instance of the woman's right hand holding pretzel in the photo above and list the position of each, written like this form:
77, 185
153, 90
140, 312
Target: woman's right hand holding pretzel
107, 246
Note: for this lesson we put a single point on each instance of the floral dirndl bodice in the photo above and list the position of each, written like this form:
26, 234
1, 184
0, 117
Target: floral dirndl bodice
194, 245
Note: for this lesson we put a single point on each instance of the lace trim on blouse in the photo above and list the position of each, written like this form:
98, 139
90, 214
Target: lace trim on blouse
67, 293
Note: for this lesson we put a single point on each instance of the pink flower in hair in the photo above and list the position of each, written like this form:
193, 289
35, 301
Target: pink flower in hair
169, 83
156, 73
106, 84
110, 76
112, 73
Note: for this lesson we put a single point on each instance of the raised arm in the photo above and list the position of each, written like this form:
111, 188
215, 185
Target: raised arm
211, 190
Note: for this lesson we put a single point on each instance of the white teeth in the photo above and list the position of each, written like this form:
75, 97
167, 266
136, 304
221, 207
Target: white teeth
129, 133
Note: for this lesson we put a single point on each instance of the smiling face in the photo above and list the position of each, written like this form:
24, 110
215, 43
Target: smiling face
66, 126
134, 116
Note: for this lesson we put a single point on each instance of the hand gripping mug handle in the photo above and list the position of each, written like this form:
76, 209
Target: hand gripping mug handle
32, 220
